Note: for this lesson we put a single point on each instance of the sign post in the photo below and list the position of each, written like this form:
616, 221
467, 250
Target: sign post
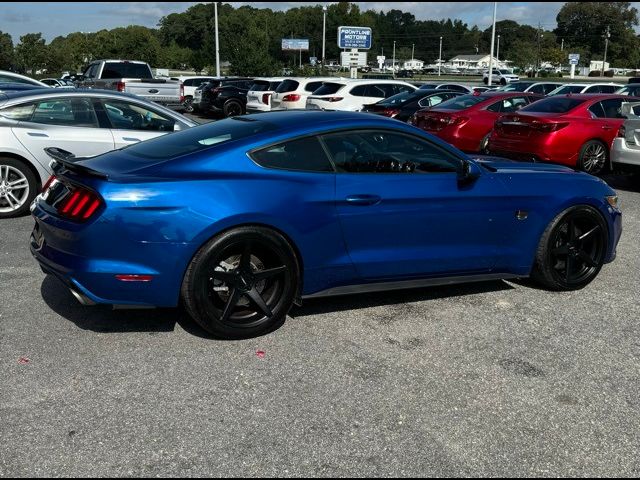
574, 58
354, 38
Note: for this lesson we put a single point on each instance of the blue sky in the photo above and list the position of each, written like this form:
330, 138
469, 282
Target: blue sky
61, 18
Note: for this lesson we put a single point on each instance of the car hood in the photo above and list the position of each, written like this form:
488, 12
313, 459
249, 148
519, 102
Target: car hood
504, 165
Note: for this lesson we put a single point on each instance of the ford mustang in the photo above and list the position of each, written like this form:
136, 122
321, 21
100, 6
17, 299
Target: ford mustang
239, 219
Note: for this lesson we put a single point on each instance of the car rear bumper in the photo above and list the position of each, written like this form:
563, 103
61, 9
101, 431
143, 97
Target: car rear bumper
88, 265
529, 149
623, 157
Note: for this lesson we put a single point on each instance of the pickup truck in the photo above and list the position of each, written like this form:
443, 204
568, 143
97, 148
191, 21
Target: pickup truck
135, 78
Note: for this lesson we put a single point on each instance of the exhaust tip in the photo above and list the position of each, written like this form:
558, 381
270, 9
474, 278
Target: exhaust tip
84, 300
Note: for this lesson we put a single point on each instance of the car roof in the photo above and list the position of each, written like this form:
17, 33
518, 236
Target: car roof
590, 96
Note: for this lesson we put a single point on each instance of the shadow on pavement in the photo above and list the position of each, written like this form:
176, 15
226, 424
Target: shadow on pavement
103, 319
316, 306
630, 183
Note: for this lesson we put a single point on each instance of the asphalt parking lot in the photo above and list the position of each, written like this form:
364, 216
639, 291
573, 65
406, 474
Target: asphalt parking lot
490, 379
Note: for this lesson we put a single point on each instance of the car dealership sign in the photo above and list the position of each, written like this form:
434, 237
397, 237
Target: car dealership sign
354, 37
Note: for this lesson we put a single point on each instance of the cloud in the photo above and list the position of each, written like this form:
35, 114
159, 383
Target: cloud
13, 17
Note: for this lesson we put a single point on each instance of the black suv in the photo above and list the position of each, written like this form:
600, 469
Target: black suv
226, 96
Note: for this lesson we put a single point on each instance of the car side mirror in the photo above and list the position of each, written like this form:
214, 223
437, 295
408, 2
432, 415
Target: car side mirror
176, 127
468, 174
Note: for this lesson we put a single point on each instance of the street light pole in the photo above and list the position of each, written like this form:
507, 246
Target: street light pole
493, 38
498, 54
393, 64
324, 28
440, 57
413, 47
606, 44
215, 10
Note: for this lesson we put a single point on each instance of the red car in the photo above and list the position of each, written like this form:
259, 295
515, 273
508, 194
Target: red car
466, 121
574, 130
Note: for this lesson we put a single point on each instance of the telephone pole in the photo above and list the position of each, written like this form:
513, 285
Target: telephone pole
215, 10
440, 57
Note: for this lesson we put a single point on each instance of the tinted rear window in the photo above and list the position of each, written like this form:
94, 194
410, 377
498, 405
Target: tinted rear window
313, 86
259, 86
126, 70
553, 105
515, 87
402, 97
287, 86
328, 89
568, 89
462, 102
198, 138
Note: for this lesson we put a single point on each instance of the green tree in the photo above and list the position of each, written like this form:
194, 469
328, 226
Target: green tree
31, 52
6, 51
584, 24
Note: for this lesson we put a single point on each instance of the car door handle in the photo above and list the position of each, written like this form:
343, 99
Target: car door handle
363, 199
37, 134
131, 139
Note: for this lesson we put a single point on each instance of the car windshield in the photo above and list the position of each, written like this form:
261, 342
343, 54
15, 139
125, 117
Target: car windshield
515, 87
505, 72
633, 90
401, 97
567, 89
462, 102
328, 88
553, 105
198, 138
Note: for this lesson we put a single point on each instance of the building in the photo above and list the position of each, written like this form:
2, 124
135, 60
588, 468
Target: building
413, 64
472, 62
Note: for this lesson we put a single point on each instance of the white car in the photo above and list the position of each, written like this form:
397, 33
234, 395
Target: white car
351, 94
625, 149
190, 83
259, 95
585, 88
292, 93
55, 83
85, 123
500, 76
10, 77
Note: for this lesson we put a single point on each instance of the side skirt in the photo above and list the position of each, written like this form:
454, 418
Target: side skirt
406, 284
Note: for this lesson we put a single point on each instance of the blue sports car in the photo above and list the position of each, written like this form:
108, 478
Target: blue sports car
241, 218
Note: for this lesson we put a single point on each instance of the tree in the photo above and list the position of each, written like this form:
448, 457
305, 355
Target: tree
6, 51
31, 52
583, 24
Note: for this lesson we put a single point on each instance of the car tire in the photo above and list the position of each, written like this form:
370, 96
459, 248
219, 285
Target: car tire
241, 283
18, 187
485, 80
593, 157
233, 108
484, 144
572, 249
503, 81
188, 105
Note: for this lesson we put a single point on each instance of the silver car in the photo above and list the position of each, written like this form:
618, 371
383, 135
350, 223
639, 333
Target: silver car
83, 122
625, 150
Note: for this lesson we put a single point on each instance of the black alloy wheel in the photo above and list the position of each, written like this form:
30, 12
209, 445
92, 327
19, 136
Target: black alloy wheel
242, 283
572, 249
232, 109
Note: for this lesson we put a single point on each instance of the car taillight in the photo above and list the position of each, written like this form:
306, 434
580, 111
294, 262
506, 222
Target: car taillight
547, 127
120, 86
456, 121
292, 97
48, 183
80, 204
390, 112
622, 131
265, 98
181, 92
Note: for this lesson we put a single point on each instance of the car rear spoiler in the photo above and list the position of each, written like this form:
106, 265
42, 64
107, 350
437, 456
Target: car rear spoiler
64, 159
